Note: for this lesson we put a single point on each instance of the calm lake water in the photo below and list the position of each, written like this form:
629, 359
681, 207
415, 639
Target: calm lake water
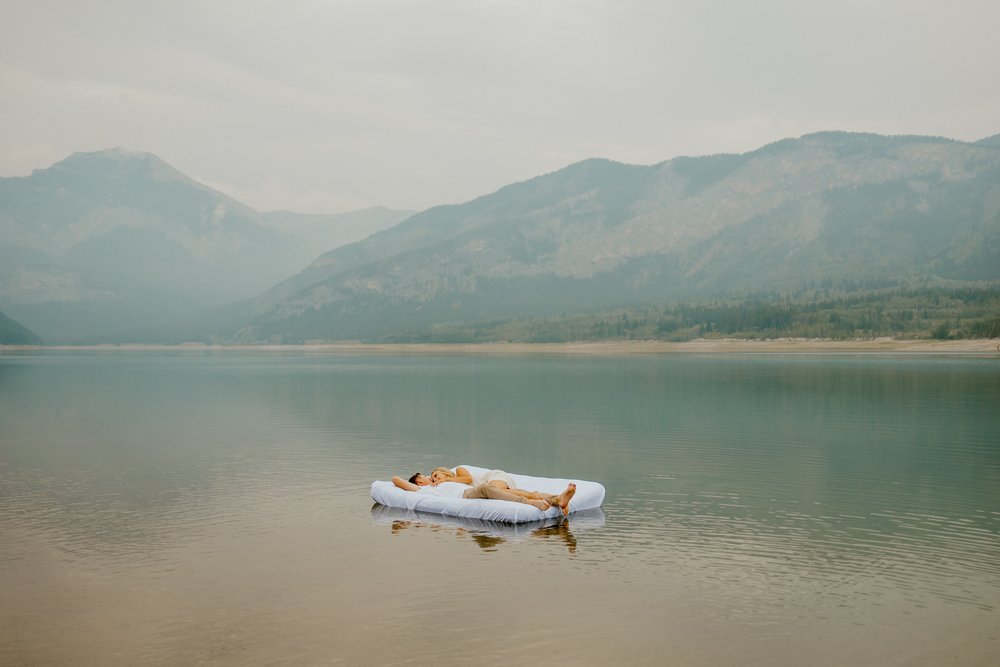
214, 508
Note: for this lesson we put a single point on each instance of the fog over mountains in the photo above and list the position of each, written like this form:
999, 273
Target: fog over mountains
829, 211
119, 246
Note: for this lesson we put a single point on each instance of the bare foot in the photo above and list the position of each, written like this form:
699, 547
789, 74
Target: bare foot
566, 496
540, 504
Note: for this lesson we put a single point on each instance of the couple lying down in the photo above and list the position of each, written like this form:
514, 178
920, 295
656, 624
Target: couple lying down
489, 485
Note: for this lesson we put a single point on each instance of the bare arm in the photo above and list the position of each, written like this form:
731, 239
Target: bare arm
404, 485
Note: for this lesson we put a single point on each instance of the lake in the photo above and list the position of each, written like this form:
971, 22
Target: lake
213, 507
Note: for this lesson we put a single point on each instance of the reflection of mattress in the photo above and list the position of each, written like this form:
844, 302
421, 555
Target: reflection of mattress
582, 520
589, 495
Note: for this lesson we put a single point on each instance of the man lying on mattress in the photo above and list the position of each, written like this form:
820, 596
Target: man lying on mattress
490, 485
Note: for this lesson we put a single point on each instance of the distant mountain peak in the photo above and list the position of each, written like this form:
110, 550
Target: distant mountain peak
116, 162
118, 153
107, 155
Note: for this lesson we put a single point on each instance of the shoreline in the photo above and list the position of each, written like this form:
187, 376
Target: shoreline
611, 348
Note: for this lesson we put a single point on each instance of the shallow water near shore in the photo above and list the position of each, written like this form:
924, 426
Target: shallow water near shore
186, 507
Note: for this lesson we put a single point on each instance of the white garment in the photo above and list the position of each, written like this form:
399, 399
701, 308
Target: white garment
445, 489
491, 475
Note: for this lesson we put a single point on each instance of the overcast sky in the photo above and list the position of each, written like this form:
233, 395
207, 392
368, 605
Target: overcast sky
339, 105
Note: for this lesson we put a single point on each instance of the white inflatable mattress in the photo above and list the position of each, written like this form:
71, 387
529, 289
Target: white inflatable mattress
589, 495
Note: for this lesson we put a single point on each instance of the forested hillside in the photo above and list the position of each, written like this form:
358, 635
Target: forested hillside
824, 217
937, 313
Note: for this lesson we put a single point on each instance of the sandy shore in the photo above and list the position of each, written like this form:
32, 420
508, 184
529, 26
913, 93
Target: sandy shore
614, 348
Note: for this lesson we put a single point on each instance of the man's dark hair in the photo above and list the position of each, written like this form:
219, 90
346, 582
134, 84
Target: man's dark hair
413, 478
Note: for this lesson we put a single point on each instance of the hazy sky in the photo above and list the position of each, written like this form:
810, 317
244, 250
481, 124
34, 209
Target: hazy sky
338, 105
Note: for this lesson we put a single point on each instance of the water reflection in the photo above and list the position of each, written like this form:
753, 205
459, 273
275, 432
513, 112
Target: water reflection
749, 501
489, 535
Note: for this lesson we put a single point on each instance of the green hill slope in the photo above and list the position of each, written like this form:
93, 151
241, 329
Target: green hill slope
845, 213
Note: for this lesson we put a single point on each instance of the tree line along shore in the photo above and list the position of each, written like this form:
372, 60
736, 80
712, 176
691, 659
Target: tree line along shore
914, 316
938, 314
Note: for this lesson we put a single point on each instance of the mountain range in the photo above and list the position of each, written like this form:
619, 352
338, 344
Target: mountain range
837, 212
116, 246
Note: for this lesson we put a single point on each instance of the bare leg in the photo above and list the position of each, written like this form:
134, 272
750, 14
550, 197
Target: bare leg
565, 497
491, 492
562, 500
531, 495
550, 498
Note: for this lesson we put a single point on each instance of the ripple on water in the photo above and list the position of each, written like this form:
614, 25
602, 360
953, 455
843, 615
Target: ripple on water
770, 549
760, 492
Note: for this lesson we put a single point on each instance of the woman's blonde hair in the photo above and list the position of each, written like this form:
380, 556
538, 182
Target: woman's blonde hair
446, 471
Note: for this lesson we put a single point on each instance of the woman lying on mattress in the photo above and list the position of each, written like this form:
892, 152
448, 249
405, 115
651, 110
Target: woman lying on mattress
491, 485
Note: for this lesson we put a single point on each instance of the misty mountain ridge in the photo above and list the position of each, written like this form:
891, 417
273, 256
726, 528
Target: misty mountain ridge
13, 332
830, 210
119, 246
110, 242
106, 187
993, 141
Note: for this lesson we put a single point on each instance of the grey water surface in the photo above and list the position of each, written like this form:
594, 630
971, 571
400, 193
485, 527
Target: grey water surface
194, 507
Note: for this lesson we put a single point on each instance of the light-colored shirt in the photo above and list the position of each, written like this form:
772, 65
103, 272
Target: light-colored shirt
446, 489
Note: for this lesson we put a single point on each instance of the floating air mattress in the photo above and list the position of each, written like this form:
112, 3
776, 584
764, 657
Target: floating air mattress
447, 500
